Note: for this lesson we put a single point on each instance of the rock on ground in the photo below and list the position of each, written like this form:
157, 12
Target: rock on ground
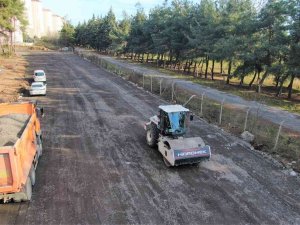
247, 136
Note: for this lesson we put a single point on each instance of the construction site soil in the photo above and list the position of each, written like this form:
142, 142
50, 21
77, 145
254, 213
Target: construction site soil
96, 167
12, 78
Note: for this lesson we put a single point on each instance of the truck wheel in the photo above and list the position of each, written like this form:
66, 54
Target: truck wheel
32, 175
166, 162
40, 144
152, 135
27, 190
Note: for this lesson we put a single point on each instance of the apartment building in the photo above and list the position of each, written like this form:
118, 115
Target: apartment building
41, 22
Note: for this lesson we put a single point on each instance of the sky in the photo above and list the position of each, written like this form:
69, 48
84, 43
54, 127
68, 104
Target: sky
80, 10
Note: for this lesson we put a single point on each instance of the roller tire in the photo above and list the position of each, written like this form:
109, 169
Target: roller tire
40, 144
152, 135
32, 175
27, 190
166, 162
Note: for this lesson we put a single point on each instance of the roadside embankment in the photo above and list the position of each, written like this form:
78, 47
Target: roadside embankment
13, 78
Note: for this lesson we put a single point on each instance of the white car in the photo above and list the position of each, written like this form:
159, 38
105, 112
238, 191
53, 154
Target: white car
38, 88
39, 75
64, 49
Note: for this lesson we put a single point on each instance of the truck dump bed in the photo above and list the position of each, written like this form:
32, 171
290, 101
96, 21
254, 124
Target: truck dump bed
20, 146
11, 128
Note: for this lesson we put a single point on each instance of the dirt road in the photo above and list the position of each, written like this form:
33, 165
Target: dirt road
97, 169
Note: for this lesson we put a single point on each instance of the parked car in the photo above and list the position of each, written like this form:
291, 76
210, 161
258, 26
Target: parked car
65, 49
39, 75
38, 88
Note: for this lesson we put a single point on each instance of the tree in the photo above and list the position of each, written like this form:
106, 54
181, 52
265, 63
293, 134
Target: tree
137, 39
235, 29
243, 41
105, 31
294, 52
203, 31
273, 37
120, 34
67, 35
252, 39
178, 31
10, 10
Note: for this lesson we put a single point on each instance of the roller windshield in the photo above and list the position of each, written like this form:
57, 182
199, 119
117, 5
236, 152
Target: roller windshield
177, 122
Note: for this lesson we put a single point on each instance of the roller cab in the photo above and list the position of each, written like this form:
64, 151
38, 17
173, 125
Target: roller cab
167, 130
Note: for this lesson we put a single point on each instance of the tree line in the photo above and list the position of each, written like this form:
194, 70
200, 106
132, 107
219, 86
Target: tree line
195, 36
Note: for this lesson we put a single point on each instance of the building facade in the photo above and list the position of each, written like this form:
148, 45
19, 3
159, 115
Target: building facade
48, 22
58, 23
38, 18
28, 16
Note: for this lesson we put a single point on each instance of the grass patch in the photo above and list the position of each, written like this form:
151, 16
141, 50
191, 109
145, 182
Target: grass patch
49, 43
266, 97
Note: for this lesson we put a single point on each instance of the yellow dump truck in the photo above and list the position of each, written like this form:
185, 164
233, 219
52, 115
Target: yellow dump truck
20, 149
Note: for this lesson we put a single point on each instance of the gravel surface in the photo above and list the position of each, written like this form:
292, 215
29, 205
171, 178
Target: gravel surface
11, 128
96, 166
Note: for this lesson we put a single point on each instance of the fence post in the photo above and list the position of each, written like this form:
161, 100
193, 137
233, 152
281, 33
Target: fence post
278, 134
246, 119
130, 74
201, 106
221, 112
173, 91
151, 83
160, 83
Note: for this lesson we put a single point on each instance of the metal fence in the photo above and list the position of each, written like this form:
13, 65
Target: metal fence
269, 137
